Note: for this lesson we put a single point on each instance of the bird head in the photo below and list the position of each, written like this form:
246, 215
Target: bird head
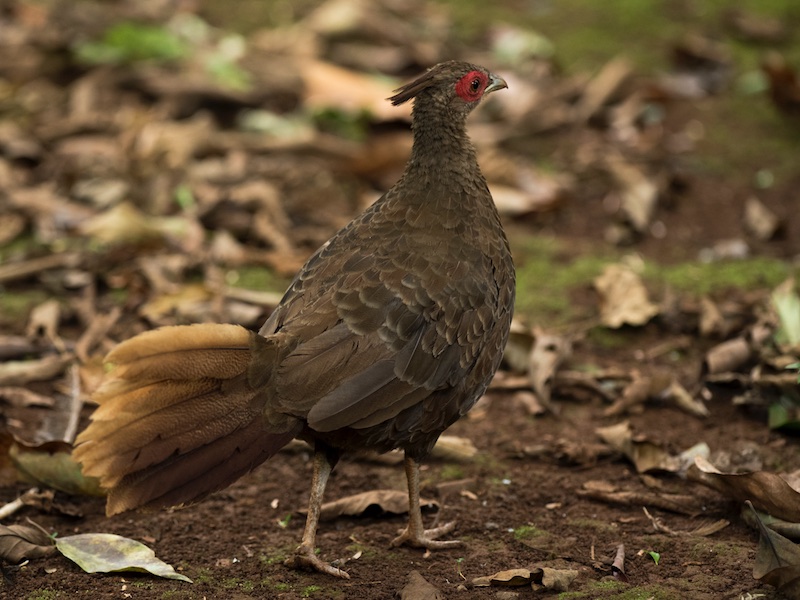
458, 85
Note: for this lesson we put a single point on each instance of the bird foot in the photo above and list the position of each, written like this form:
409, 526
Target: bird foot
305, 558
426, 538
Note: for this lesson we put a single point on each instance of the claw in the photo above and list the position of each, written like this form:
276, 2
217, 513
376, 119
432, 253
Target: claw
305, 558
426, 538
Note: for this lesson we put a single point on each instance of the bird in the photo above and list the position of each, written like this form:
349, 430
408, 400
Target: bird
387, 335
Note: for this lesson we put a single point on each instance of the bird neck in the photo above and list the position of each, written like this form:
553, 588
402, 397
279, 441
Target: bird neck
440, 144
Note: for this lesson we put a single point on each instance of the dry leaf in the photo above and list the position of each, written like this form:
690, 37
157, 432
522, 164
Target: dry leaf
558, 580
454, 448
43, 369
44, 320
767, 491
328, 86
759, 220
618, 566
508, 578
623, 298
777, 561
373, 502
418, 588
549, 351
18, 542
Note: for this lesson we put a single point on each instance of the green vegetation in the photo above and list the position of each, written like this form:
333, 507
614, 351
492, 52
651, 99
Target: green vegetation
128, 42
257, 278
526, 532
546, 280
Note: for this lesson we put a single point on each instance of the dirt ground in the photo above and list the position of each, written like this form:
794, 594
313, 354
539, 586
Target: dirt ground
525, 499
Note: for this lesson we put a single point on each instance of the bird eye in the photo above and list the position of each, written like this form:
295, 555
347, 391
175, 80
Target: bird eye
476, 83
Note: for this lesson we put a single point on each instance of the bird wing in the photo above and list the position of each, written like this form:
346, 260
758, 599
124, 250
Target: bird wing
379, 332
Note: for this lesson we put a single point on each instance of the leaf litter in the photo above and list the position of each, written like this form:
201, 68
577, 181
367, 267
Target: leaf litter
209, 171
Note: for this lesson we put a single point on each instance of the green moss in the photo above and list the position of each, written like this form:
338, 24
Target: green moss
237, 583
451, 472
15, 305
257, 278
545, 279
526, 532
700, 278
204, 576
310, 590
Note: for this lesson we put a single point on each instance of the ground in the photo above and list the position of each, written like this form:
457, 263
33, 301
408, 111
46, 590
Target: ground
525, 499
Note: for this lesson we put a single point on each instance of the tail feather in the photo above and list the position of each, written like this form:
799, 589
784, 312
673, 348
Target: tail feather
178, 418
191, 477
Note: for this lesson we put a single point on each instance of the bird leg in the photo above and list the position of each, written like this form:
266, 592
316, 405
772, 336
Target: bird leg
304, 555
415, 534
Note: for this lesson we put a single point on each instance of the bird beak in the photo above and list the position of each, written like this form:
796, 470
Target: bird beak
495, 83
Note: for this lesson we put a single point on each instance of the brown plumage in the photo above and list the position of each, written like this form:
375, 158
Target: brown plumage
388, 335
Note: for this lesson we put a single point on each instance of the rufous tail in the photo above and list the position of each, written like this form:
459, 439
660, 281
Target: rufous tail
177, 417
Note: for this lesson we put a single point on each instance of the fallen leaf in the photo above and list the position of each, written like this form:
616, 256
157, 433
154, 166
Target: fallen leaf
558, 580
43, 369
759, 220
51, 464
618, 566
786, 302
454, 448
43, 321
508, 578
19, 542
418, 588
548, 353
20, 396
727, 356
767, 491
374, 502
777, 561
623, 298
107, 553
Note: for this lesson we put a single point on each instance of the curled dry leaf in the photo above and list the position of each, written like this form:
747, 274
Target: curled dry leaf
759, 220
19, 542
727, 356
645, 455
557, 580
376, 501
641, 388
638, 193
549, 351
43, 369
623, 298
20, 396
683, 504
44, 320
454, 448
777, 561
618, 566
767, 491
507, 578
